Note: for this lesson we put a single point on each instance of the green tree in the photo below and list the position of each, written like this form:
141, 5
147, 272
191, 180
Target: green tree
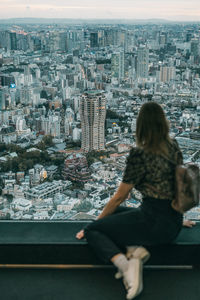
14, 148
48, 140
44, 156
15, 164
58, 161
41, 146
90, 158
3, 147
9, 198
22, 166
8, 216
1, 182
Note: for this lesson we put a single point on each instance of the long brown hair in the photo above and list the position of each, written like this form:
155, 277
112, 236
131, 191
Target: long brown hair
152, 129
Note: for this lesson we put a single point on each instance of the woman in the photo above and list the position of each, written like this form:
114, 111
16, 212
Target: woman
155, 221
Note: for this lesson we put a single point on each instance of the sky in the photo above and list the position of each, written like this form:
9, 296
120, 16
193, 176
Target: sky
176, 10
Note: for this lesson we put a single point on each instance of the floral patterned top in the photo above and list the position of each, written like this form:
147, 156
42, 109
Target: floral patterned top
152, 174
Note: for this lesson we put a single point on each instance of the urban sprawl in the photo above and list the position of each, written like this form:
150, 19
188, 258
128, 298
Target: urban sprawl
69, 99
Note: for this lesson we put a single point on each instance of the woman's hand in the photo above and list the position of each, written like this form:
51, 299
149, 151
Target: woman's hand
80, 235
120, 195
188, 223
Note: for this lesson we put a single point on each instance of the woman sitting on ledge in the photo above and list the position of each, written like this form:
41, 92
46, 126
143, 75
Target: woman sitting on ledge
155, 221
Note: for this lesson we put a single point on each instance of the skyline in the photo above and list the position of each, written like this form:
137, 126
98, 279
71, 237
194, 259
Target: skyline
177, 10
69, 100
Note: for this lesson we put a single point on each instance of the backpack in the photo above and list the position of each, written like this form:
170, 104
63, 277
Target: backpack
187, 193
187, 186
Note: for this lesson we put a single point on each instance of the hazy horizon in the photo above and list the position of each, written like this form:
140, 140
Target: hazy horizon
172, 10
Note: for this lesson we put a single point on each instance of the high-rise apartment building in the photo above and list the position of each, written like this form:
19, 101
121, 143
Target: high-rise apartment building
54, 40
93, 114
195, 47
6, 80
142, 62
13, 40
51, 125
8, 40
195, 50
2, 99
20, 124
167, 74
94, 40
75, 40
117, 65
63, 41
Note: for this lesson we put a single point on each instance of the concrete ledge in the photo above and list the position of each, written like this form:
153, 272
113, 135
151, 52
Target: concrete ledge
44, 242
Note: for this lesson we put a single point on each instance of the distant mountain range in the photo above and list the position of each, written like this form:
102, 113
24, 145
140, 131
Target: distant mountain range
86, 21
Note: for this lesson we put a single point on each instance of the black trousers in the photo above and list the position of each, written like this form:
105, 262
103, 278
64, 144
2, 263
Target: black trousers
154, 222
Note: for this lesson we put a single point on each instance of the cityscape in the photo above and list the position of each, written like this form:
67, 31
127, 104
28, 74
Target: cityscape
70, 94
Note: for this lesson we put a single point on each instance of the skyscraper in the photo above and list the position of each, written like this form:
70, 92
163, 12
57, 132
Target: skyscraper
195, 47
3, 92
93, 114
51, 125
195, 50
13, 40
94, 39
117, 65
167, 74
142, 62
2, 100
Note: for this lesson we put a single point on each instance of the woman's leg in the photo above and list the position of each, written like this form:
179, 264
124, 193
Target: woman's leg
110, 235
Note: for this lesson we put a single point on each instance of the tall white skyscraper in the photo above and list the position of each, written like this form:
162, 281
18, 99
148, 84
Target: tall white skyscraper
93, 114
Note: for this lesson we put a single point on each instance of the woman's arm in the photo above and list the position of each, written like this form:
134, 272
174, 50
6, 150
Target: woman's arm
121, 195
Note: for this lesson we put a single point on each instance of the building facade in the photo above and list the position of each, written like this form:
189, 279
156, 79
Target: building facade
93, 114
142, 62
167, 74
76, 169
117, 65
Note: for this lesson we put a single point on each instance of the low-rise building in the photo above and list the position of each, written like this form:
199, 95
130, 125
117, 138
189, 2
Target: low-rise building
21, 204
45, 190
43, 215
